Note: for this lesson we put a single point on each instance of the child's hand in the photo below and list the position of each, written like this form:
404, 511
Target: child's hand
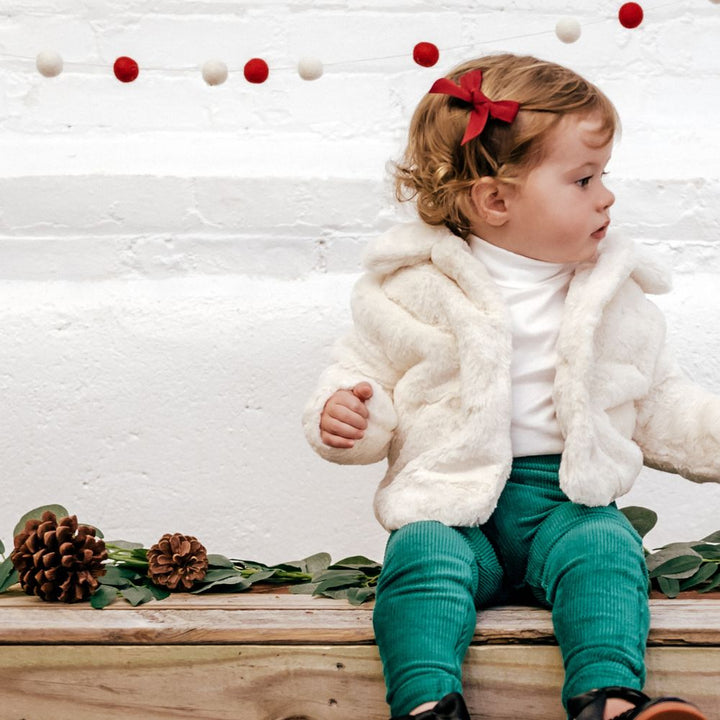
345, 417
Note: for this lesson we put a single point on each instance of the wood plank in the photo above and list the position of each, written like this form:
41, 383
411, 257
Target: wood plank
296, 683
290, 619
153, 625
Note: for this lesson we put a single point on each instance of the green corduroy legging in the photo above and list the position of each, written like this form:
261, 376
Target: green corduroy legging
586, 564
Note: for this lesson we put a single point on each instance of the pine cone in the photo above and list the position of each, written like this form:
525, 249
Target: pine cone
58, 560
177, 561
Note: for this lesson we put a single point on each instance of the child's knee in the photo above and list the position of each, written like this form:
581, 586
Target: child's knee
599, 541
426, 554
425, 547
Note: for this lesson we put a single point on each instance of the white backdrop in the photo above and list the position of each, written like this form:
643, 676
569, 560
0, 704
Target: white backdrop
176, 259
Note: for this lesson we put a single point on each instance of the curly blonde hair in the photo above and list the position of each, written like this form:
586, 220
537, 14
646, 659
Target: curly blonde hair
438, 172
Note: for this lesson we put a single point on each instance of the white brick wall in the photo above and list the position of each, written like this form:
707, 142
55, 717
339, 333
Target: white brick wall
175, 259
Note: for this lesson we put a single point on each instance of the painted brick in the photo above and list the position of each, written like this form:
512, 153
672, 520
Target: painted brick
176, 259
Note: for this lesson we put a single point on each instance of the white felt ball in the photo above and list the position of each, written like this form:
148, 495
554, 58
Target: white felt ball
310, 68
49, 63
214, 72
568, 29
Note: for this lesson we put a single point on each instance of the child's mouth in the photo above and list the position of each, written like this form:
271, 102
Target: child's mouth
599, 234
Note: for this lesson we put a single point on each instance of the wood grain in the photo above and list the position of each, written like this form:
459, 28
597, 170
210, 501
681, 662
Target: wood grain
289, 619
293, 657
258, 682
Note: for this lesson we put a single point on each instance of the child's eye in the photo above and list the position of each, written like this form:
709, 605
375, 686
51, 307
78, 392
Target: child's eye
584, 182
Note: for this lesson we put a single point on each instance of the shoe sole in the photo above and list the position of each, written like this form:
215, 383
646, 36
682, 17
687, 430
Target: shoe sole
670, 710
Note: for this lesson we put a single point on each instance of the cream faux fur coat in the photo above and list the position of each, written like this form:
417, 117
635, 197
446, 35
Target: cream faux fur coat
432, 336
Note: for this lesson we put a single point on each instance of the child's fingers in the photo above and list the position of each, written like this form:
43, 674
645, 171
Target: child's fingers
333, 426
356, 418
363, 390
336, 441
344, 418
346, 399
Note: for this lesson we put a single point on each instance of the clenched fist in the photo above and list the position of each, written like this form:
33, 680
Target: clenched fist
345, 416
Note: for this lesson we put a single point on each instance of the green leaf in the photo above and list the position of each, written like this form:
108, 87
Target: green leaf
345, 575
709, 552
290, 567
713, 538
677, 568
308, 566
250, 564
358, 562
670, 586
337, 579
219, 561
339, 594
114, 576
159, 593
316, 563
715, 582
230, 584
137, 594
304, 589
357, 596
123, 544
670, 552
8, 574
103, 596
36, 514
220, 574
704, 573
261, 576
642, 519
130, 573
677, 548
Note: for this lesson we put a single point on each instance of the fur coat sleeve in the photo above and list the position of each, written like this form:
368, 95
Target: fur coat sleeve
366, 354
678, 425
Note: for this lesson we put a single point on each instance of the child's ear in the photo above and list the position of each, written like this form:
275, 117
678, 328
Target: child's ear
488, 197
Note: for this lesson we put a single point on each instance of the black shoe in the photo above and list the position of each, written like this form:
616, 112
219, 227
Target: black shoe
451, 707
591, 706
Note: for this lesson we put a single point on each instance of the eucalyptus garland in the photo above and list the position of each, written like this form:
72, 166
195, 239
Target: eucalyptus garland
678, 566
138, 574
180, 563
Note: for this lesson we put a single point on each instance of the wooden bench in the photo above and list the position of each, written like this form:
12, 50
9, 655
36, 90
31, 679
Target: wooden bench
291, 657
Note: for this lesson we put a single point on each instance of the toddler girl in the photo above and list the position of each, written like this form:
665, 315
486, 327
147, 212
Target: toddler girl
507, 363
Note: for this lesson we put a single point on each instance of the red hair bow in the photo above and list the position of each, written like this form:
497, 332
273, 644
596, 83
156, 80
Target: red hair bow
483, 107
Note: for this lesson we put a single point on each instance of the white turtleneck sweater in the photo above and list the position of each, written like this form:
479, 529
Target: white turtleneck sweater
535, 293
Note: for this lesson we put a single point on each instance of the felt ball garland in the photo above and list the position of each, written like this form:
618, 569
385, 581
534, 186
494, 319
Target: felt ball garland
568, 29
426, 54
49, 63
630, 15
310, 68
126, 69
214, 72
256, 70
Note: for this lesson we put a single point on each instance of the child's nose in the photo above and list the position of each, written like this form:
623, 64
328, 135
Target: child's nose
607, 198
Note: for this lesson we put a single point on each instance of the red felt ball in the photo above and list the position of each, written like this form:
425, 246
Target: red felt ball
630, 15
426, 54
256, 70
125, 69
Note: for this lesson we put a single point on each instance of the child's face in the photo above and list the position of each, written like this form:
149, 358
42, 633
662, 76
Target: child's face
559, 211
